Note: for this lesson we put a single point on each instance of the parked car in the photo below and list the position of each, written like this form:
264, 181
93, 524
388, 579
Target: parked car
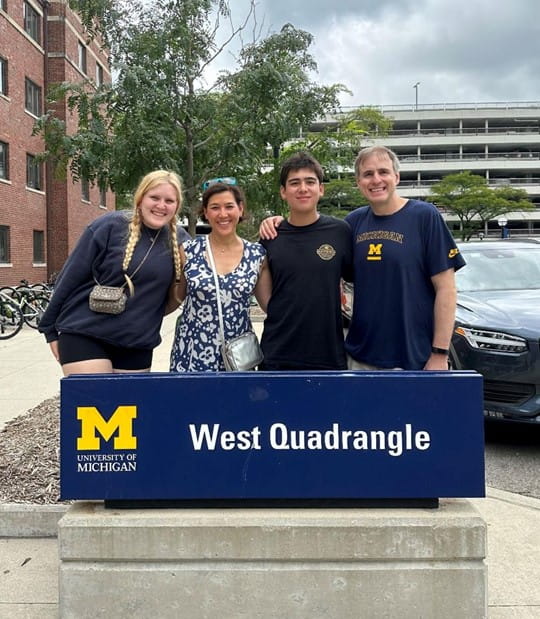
497, 331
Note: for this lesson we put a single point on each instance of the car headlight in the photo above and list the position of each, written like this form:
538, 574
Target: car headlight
492, 340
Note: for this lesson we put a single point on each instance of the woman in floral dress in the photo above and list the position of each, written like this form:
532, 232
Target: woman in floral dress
243, 271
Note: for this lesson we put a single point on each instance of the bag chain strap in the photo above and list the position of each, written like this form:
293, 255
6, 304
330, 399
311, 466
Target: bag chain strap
128, 277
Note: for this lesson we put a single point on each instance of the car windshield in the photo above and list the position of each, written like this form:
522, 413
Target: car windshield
507, 268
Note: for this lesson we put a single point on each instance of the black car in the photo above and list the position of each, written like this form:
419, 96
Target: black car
497, 330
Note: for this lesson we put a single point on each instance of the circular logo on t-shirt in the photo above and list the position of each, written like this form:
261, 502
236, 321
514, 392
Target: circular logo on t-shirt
326, 252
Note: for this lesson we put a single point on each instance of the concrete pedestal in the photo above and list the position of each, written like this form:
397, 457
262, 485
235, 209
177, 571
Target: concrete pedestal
279, 563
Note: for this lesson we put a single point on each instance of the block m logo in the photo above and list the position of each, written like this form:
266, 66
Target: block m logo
92, 422
374, 251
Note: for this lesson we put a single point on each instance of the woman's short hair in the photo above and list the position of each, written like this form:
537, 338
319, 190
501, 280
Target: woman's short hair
219, 187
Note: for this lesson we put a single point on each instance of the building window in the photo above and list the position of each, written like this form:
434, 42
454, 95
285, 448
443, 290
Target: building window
3, 75
33, 172
85, 189
102, 197
4, 160
39, 246
82, 57
2, 5
32, 22
99, 74
32, 100
4, 244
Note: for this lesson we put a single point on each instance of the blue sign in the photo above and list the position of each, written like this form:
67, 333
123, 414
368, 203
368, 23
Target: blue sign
266, 435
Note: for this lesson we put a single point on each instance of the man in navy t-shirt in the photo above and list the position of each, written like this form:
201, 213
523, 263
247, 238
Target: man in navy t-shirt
404, 264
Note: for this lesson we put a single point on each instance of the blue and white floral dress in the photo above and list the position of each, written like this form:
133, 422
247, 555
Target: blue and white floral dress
197, 340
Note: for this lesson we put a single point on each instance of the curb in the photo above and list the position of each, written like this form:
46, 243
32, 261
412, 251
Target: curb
512, 498
30, 519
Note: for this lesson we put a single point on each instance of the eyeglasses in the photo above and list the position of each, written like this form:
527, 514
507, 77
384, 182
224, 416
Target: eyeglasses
226, 180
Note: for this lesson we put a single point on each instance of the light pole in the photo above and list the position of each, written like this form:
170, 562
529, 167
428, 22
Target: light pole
416, 95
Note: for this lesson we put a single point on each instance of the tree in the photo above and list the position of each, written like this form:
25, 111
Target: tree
273, 97
340, 194
158, 112
162, 112
468, 196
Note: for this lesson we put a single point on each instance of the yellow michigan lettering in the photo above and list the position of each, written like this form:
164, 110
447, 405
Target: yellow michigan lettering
375, 249
92, 422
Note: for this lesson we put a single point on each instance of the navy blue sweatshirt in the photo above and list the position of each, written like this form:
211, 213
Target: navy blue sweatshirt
98, 255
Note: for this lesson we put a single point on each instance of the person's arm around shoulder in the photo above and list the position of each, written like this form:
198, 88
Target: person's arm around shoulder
263, 288
178, 289
444, 313
268, 227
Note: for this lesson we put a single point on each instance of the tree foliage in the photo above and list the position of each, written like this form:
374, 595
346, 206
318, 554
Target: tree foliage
273, 97
468, 197
340, 196
163, 111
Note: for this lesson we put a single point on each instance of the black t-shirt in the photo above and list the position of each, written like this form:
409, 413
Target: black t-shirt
303, 328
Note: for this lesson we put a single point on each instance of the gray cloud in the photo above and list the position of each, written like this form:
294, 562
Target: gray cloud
317, 13
459, 50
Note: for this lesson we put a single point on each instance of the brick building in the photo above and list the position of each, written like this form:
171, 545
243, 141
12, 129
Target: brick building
41, 217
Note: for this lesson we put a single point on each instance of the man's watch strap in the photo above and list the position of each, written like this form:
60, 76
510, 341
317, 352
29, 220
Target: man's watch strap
440, 351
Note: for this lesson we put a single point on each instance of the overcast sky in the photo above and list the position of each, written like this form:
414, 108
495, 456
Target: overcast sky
459, 50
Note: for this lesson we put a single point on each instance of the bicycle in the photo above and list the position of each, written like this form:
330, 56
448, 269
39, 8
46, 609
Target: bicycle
31, 302
25, 288
33, 309
11, 318
44, 288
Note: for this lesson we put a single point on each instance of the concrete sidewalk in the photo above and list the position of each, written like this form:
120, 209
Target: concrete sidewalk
28, 547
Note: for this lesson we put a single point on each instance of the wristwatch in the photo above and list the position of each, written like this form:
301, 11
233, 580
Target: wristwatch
440, 351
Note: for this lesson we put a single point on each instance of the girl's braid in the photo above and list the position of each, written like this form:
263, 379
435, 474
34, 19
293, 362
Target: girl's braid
174, 249
134, 236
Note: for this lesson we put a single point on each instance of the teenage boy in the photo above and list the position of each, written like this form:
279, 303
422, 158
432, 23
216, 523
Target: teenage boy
303, 329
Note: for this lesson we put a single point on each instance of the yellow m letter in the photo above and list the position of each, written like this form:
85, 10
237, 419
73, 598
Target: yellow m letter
92, 422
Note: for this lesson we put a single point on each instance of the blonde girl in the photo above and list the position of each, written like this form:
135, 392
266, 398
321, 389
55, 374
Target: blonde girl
138, 251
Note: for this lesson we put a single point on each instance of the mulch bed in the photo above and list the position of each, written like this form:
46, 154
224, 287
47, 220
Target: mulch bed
29, 456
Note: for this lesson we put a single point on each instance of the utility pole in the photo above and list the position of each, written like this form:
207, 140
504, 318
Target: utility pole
416, 95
